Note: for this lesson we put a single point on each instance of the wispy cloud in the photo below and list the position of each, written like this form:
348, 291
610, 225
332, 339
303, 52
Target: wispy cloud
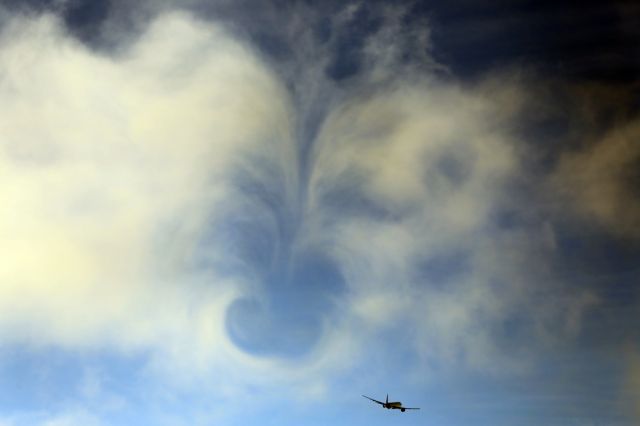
269, 215
106, 161
149, 188
599, 180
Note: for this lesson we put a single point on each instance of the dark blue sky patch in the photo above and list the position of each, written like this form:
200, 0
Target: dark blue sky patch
613, 323
346, 63
105, 26
456, 165
287, 320
544, 124
591, 250
350, 39
272, 45
515, 332
323, 30
85, 17
520, 209
585, 40
449, 170
440, 269
592, 260
345, 197
506, 219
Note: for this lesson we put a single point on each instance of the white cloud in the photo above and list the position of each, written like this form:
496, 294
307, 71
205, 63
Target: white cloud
109, 167
598, 182
419, 170
113, 166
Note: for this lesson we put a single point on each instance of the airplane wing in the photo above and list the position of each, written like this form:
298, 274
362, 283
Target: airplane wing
374, 400
411, 408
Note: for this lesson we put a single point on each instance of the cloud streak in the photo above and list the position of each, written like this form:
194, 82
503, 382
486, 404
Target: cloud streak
105, 160
267, 214
163, 181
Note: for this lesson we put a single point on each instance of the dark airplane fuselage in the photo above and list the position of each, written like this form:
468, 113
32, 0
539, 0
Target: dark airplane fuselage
395, 405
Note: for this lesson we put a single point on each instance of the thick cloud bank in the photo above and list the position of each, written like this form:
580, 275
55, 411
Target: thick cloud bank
109, 167
143, 188
222, 208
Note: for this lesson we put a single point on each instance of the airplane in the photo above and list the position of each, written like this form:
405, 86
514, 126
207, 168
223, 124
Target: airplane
395, 405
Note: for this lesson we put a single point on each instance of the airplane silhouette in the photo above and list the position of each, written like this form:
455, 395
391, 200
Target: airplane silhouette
395, 405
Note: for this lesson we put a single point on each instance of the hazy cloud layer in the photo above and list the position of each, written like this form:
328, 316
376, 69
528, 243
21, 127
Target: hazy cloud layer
171, 173
257, 215
601, 180
109, 166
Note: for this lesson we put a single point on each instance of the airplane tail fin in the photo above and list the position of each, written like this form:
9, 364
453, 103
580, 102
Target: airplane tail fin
387, 400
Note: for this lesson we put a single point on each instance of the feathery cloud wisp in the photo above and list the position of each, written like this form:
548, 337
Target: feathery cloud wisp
227, 212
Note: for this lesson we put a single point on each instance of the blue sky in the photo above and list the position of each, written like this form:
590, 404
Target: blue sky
252, 213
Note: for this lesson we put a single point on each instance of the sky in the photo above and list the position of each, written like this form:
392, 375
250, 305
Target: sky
220, 212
